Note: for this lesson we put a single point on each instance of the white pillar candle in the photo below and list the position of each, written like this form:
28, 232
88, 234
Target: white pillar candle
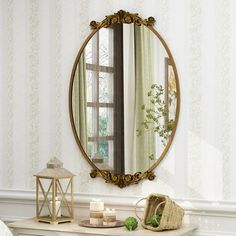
109, 217
96, 221
96, 205
96, 212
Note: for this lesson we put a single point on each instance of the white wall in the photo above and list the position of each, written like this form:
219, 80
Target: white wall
39, 41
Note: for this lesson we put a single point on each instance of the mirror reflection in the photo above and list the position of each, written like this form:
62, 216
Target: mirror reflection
124, 98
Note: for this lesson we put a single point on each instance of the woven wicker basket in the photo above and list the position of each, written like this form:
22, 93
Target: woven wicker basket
172, 214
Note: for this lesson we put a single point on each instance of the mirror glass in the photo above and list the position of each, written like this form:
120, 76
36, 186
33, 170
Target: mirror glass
124, 98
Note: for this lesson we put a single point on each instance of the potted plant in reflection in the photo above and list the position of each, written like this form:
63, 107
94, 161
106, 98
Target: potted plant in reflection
155, 114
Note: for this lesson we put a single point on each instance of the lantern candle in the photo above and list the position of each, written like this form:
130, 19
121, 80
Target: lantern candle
58, 206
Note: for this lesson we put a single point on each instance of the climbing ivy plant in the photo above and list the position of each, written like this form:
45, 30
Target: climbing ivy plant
155, 115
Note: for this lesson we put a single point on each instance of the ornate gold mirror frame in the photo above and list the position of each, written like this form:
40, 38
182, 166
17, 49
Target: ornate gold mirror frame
123, 180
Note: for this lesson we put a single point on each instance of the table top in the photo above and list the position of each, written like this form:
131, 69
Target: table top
75, 228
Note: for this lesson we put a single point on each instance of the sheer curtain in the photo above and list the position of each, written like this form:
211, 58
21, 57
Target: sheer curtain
80, 96
138, 78
145, 144
129, 97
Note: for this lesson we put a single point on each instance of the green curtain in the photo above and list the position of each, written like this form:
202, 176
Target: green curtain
79, 102
145, 144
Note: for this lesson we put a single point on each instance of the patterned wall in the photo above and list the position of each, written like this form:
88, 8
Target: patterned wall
39, 40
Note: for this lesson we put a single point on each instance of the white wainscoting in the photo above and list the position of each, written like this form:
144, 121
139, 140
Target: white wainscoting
212, 218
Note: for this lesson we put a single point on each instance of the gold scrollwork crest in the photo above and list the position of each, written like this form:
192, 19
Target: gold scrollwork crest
122, 17
122, 180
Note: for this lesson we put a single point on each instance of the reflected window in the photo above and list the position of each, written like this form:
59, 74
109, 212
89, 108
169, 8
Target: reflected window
104, 73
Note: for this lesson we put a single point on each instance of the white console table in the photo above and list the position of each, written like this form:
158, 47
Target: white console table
32, 228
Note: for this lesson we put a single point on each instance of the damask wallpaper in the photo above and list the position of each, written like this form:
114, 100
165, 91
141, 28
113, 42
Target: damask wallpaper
39, 40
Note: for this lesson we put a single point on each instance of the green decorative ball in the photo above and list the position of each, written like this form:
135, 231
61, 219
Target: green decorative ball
131, 223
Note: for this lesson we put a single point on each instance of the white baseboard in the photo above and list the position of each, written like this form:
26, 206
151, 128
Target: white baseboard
212, 218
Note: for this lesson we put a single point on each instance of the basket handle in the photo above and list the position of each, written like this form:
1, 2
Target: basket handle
135, 208
159, 206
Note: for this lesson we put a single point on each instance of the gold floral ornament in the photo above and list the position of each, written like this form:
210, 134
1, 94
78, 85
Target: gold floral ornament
123, 17
122, 180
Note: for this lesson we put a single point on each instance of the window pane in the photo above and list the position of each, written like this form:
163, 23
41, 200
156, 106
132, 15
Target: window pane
106, 87
91, 50
106, 151
88, 52
91, 86
103, 149
105, 121
106, 47
91, 121
92, 149
111, 153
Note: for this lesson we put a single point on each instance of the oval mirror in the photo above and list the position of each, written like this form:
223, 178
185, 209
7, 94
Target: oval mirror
124, 98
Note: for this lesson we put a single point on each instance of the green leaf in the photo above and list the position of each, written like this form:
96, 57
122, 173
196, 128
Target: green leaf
151, 157
155, 220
